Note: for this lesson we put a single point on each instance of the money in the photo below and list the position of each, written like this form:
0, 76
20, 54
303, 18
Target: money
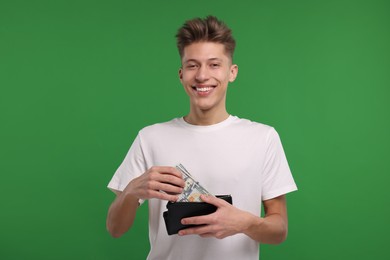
192, 189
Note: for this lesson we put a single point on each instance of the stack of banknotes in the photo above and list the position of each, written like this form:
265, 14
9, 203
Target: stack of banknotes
192, 189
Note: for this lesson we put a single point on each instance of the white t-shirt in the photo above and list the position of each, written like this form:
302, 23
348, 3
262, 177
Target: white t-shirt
236, 156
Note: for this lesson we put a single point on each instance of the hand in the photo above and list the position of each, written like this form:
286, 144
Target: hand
226, 221
158, 182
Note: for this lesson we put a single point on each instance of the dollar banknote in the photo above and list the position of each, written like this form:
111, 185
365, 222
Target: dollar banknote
192, 189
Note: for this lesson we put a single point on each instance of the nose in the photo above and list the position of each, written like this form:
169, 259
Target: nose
202, 74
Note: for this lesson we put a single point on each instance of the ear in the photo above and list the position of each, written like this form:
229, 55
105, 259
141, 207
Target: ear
233, 72
181, 75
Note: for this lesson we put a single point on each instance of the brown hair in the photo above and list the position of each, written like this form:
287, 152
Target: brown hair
209, 29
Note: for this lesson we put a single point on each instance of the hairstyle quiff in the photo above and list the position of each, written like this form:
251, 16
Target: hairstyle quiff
209, 29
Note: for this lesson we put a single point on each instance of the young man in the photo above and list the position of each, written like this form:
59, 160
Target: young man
226, 154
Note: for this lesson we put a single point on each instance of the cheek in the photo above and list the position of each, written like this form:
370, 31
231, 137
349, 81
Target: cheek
223, 77
186, 78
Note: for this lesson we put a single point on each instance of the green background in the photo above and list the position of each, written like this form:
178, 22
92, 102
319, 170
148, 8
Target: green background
78, 79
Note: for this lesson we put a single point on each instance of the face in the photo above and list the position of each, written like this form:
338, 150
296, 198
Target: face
205, 74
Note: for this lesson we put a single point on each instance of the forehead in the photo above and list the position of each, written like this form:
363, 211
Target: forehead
203, 51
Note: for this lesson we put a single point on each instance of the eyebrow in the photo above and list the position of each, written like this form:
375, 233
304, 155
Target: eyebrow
195, 60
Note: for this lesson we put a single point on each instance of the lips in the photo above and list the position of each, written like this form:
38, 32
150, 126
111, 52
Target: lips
203, 90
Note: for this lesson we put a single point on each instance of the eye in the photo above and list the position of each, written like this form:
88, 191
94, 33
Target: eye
191, 66
215, 65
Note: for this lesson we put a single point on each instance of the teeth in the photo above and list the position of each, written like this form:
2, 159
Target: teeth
204, 89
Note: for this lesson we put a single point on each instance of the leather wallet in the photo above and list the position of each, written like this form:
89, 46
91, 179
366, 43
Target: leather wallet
178, 210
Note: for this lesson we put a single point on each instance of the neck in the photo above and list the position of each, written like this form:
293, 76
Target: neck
205, 117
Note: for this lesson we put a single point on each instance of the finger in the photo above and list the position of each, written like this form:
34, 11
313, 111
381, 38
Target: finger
166, 178
167, 174
167, 170
168, 188
213, 200
163, 187
202, 230
162, 196
207, 235
199, 220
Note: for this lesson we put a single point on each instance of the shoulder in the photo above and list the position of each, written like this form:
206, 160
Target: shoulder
249, 125
159, 128
255, 130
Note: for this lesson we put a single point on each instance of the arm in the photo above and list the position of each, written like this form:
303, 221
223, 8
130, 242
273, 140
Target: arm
229, 220
272, 229
122, 211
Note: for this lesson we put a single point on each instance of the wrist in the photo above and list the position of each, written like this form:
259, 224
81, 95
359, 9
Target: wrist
130, 190
252, 223
130, 197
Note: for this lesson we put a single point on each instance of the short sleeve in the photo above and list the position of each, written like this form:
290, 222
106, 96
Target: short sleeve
277, 177
132, 166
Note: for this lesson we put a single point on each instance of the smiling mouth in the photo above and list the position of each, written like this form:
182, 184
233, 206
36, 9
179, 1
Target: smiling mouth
203, 89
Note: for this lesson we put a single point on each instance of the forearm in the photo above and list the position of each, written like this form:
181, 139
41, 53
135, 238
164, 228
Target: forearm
121, 214
271, 229
149, 185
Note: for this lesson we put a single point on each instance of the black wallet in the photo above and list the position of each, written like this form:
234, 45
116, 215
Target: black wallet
178, 210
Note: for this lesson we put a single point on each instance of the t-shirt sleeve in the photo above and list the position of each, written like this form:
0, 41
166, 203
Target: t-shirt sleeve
277, 177
132, 166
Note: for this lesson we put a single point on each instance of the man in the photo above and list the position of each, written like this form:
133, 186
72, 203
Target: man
226, 154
